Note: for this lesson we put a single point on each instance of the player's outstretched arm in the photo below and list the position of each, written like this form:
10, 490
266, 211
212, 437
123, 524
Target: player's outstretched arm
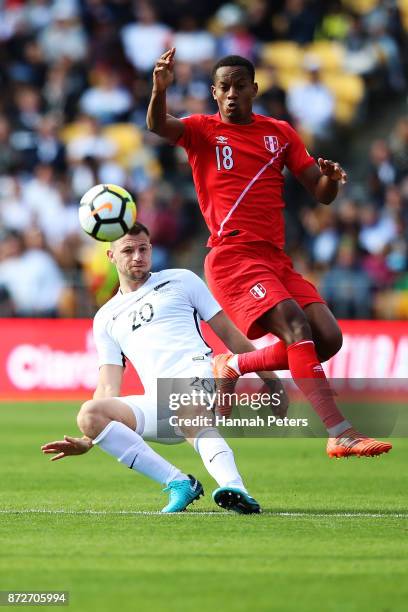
67, 447
323, 180
157, 119
233, 339
109, 381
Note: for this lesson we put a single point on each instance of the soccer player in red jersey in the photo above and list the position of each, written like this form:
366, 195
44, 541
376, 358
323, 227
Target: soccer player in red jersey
237, 159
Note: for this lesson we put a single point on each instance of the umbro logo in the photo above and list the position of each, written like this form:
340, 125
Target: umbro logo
221, 139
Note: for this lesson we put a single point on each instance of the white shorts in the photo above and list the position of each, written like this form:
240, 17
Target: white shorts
145, 407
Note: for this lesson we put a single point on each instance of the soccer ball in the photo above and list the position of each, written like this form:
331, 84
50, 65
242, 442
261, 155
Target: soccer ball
107, 212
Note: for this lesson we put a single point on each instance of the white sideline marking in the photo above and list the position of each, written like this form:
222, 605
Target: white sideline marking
397, 515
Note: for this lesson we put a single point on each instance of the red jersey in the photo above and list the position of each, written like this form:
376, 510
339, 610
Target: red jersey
237, 172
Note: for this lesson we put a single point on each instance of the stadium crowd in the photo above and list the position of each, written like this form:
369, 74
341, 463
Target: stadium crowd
76, 78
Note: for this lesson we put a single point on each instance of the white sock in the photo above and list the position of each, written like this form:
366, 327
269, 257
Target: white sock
218, 458
129, 448
233, 363
338, 429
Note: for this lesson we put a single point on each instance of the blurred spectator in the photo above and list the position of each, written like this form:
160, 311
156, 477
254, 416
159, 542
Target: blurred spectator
377, 230
23, 271
376, 267
6, 303
399, 147
361, 57
163, 225
323, 234
37, 13
312, 103
63, 224
348, 221
146, 39
64, 84
193, 44
14, 215
26, 119
397, 252
236, 38
89, 141
48, 147
43, 200
102, 21
30, 67
297, 21
259, 20
378, 23
9, 157
11, 20
108, 101
64, 37
347, 288
382, 171
186, 85
273, 99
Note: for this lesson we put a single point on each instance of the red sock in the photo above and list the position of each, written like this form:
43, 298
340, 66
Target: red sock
274, 357
309, 376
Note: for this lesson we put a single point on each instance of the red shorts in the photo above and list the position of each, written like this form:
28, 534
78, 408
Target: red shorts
248, 279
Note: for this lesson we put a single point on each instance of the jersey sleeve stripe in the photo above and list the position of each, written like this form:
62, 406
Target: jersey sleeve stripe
197, 324
248, 187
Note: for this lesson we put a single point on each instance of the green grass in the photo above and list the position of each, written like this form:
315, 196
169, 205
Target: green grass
319, 558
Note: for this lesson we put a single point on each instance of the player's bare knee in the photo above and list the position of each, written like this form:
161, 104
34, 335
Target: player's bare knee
90, 418
288, 321
297, 329
331, 344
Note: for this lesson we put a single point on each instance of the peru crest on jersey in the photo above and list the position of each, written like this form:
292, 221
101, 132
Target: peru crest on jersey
271, 143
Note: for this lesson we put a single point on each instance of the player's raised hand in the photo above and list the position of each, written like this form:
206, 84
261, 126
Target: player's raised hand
333, 170
66, 447
163, 73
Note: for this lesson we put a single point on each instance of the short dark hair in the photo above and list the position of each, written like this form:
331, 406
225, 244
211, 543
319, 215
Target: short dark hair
234, 60
137, 229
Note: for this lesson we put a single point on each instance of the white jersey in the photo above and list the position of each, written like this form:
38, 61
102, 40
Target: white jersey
156, 327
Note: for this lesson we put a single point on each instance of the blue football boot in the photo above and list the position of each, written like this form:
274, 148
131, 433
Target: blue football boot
236, 500
182, 494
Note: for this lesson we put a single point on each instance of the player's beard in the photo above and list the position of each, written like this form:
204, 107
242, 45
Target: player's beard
138, 275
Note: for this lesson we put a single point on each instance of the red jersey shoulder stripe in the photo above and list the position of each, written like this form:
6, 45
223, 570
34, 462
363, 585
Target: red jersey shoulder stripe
248, 187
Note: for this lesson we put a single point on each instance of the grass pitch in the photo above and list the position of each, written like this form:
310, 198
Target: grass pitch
333, 536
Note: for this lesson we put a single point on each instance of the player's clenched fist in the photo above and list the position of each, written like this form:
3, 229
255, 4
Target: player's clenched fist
163, 73
333, 170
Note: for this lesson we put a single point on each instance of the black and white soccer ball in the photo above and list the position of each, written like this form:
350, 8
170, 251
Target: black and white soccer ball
107, 212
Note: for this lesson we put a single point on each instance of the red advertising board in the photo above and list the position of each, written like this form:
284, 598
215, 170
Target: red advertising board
56, 359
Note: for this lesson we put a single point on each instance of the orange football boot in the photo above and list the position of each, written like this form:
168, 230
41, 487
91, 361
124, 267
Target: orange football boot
352, 443
226, 378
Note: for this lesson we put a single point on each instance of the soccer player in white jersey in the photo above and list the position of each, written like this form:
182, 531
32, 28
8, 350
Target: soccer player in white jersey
153, 320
